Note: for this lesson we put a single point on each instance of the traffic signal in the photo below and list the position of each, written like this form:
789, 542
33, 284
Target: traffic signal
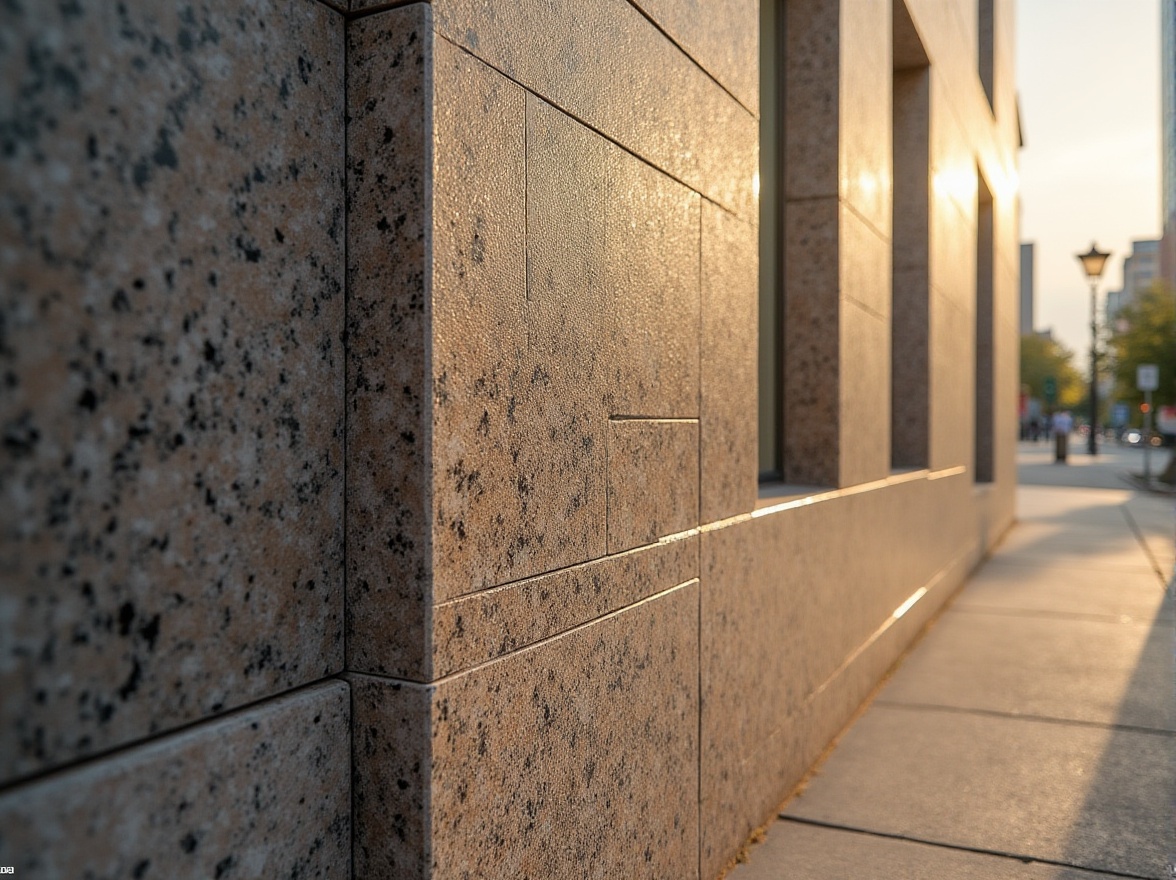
1145, 408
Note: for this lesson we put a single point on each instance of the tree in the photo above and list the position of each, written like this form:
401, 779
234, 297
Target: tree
1146, 334
1042, 357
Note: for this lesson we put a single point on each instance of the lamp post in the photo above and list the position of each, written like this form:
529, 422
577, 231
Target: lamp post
1093, 262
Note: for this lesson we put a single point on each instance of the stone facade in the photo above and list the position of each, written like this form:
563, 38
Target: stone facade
380, 424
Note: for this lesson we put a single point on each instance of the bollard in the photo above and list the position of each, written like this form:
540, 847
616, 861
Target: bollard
1061, 439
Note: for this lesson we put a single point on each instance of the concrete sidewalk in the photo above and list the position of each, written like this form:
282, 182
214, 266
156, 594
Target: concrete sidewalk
1030, 734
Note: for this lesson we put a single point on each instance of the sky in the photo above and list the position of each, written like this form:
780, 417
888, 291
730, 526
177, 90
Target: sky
1088, 77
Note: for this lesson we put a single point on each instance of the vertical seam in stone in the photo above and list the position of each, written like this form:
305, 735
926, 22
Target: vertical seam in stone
428, 40
698, 503
346, 341
698, 741
351, 766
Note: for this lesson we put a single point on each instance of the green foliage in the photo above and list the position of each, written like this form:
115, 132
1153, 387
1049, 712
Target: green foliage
1146, 334
1042, 357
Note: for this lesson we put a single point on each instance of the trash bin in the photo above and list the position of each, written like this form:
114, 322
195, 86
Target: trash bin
1061, 440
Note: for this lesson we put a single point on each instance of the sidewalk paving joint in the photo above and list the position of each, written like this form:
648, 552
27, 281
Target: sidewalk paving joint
1018, 857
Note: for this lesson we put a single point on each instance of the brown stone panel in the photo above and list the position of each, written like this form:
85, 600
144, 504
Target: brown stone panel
652, 242
604, 63
392, 776
264, 792
720, 35
515, 442
652, 480
576, 758
478, 628
573, 758
389, 312
730, 318
170, 339
812, 343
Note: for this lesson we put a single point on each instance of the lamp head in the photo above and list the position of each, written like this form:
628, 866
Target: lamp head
1093, 262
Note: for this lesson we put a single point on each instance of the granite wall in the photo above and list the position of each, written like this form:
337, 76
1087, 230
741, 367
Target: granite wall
380, 422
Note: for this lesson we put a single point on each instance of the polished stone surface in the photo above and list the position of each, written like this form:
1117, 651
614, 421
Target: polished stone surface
606, 64
729, 331
720, 35
478, 628
652, 480
264, 792
389, 308
172, 313
576, 757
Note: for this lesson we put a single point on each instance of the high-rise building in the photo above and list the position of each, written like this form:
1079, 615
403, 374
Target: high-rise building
1168, 138
1140, 268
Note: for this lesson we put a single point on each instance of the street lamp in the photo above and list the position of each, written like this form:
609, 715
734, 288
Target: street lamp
1093, 262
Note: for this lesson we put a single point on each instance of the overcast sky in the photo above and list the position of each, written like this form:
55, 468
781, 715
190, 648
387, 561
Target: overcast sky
1088, 75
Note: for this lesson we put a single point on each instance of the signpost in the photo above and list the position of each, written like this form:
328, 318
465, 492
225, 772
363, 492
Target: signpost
1147, 380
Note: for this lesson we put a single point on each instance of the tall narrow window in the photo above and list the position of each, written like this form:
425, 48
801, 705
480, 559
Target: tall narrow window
985, 403
986, 36
771, 230
910, 373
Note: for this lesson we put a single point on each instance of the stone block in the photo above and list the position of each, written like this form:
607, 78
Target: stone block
264, 792
607, 65
720, 35
571, 756
652, 233
172, 219
730, 326
812, 360
389, 314
480, 627
652, 480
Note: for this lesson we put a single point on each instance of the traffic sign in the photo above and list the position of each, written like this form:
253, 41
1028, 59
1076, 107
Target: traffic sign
1051, 389
1147, 377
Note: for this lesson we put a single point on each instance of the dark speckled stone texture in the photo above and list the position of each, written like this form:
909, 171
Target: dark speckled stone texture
492, 623
652, 480
510, 276
389, 308
577, 758
262, 793
171, 243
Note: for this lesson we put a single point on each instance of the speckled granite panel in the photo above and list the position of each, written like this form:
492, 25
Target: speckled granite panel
652, 480
864, 79
730, 326
170, 334
576, 758
720, 35
492, 623
777, 624
910, 375
392, 776
652, 242
262, 793
812, 102
812, 351
606, 64
389, 180
519, 451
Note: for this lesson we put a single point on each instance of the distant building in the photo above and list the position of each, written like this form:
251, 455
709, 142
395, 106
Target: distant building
1140, 269
1027, 253
1168, 138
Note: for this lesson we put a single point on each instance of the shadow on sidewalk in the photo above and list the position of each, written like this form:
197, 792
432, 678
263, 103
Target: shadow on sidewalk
1125, 823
